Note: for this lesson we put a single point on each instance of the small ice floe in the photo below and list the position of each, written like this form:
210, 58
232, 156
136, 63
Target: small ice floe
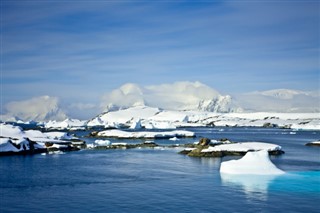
102, 142
174, 139
91, 146
119, 144
256, 163
56, 152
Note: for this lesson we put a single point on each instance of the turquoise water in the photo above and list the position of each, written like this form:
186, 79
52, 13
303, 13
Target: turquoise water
160, 180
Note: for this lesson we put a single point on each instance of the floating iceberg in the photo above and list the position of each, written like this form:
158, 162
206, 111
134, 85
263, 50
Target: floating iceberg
256, 163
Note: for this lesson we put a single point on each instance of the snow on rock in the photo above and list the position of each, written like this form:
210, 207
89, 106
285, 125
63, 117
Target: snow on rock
66, 124
7, 146
102, 142
7, 130
126, 116
16, 141
154, 118
243, 147
132, 117
10, 131
158, 125
18, 145
307, 125
145, 134
256, 163
171, 116
136, 124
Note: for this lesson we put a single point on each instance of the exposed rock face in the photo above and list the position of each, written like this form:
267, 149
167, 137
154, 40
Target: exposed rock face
204, 141
269, 125
222, 104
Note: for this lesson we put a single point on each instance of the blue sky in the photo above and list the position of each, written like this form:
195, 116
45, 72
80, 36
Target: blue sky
79, 50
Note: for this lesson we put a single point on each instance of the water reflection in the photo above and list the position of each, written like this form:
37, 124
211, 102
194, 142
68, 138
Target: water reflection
254, 186
212, 162
258, 186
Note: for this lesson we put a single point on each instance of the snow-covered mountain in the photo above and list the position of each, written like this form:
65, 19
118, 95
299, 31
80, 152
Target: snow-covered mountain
284, 93
153, 118
220, 104
176, 96
280, 100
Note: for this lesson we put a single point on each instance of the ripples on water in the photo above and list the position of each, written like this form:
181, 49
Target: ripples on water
147, 180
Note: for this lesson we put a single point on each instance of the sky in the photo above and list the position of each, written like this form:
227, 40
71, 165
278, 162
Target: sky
77, 51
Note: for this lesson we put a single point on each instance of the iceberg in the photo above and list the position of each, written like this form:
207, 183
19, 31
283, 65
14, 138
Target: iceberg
255, 163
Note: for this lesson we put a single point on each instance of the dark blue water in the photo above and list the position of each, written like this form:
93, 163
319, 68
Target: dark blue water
160, 180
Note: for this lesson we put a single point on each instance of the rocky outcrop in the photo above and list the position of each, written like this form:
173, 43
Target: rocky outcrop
204, 141
26, 146
315, 143
124, 146
204, 148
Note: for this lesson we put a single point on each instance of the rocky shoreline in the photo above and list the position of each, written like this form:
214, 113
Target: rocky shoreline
202, 149
29, 147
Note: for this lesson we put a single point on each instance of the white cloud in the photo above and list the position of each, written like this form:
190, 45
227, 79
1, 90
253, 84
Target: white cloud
82, 106
41, 108
82, 110
177, 96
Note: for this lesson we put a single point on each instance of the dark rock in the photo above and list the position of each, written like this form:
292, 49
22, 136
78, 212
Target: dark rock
185, 152
127, 146
48, 144
276, 152
93, 134
313, 144
204, 141
269, 125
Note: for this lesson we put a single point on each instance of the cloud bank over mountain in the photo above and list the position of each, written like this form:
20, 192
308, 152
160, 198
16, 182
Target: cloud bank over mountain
177, 96
182, 95
43, 108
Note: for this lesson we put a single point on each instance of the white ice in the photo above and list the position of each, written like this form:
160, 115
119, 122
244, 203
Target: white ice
145, 134
257, 163
243, 147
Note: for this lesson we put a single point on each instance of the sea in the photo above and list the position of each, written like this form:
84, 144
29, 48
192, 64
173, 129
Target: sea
161, 180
